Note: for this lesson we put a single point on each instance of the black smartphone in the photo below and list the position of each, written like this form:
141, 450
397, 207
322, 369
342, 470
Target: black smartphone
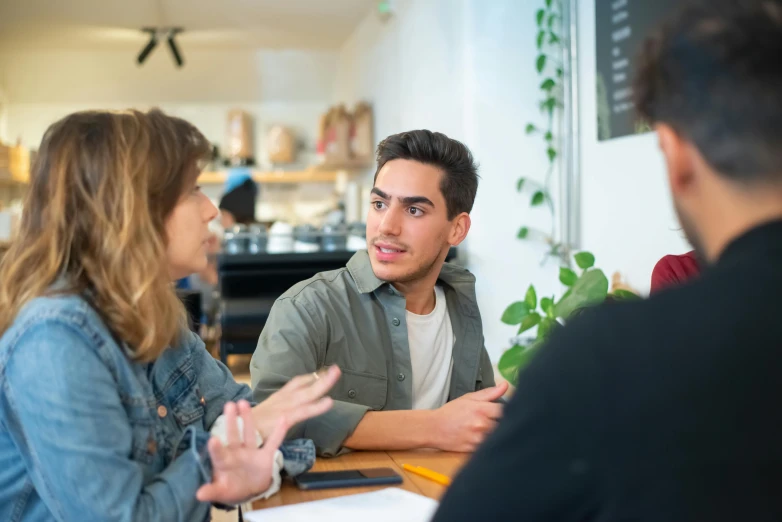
348, 478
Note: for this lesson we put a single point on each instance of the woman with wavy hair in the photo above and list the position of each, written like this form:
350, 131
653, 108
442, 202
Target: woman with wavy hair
106, 397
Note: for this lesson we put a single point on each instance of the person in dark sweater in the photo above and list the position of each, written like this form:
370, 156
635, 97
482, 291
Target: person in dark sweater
669, 409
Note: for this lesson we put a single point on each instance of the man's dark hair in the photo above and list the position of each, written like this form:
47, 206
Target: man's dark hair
453, 158
240, 202
713, 73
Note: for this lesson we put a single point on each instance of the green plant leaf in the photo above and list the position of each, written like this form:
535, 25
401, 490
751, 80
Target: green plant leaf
550, 104
584, 260
551, 18
547, 324
549, 136
625, 295
547, 304
540, 64
590, 289
530, 128
523, 233
530, 321
538, 198
548, 84
553, 39
560, 72
531, 298
514, 314
541, 39
548, 3
552, 154
567, 277
513, 361
520, 184
541, 14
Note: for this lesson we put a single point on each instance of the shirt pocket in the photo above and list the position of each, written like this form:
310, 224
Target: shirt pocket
364, 388
187, 404
181, 395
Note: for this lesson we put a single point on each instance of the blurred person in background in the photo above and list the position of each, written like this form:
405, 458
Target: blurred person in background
107, 398
674, 270
237, 206
668, 408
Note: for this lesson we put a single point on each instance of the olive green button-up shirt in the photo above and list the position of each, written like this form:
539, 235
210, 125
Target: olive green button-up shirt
350, 318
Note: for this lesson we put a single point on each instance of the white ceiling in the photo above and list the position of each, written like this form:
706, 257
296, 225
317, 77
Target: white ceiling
85, 24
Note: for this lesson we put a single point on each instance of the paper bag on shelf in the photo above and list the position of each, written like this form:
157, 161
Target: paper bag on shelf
281, 145
15, 163
338, 135
240, 140
362, 145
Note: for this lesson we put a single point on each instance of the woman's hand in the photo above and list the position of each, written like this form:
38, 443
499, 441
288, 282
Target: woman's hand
301, 399
240, 470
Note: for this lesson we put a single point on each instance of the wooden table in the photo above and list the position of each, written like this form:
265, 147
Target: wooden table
448, 464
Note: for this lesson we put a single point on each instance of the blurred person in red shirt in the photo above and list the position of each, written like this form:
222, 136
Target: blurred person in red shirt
673, 270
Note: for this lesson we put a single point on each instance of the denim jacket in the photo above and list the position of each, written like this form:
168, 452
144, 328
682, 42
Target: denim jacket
88, 434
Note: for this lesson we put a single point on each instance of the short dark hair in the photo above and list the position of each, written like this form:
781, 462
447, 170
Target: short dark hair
713, 72
240, 202
460, 172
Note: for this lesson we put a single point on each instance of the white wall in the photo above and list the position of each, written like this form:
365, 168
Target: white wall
627, 217
465, 68
410, 68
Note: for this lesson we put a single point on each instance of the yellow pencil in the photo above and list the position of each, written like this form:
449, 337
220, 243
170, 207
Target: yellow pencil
428, 473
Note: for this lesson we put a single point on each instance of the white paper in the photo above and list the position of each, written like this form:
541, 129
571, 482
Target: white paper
386, 505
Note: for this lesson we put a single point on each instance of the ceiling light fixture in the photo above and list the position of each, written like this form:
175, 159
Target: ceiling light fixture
172, 45
155, 35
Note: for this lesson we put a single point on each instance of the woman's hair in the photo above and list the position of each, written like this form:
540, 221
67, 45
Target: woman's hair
94, 221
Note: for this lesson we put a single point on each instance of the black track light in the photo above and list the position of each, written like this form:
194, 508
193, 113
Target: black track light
150, 45
155, 34
174, 49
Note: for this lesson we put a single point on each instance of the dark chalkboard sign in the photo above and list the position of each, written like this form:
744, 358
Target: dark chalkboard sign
621, 27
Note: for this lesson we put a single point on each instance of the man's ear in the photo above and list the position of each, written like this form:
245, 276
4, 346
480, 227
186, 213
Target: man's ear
460, 226
678, 159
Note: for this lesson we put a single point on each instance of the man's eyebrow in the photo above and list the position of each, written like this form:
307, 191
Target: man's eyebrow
416, 200
380, 193
405, 200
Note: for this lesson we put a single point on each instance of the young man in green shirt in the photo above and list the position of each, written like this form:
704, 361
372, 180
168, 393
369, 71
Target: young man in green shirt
402, 324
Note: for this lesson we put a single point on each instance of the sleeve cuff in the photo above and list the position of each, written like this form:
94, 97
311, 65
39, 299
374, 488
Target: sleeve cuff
330, 430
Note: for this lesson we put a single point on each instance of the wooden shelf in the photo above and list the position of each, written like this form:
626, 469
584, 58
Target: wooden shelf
306, 176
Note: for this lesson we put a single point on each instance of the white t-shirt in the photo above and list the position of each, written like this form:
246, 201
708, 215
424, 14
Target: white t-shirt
431, 347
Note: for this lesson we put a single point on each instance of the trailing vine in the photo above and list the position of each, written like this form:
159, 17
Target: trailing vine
549, 67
